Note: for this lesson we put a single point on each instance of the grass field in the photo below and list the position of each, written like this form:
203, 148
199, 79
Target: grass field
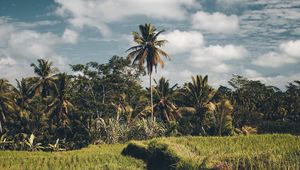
237, 152
93, 157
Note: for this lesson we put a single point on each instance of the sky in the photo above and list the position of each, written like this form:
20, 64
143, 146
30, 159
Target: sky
258, 39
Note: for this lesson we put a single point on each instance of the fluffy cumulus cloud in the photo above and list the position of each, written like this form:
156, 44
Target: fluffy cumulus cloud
70, 36
30, 44
214, 57
215, 22
279, 81
289, 53
98, 13
200, 55
183, 41
291, 48
273, 59
19, 47
199, 58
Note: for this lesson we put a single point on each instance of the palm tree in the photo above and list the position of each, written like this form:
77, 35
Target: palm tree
59, 106
148, 49
293, 98
23, 97
7, 101
163, 98
198, 93
196, 98
223, 117
45, 71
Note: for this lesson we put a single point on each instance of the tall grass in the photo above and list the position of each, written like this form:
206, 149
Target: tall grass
93, 157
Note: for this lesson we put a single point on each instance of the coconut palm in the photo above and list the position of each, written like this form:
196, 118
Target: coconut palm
45, 71
163, 99
59, 106
196, 98
293, 99
223, 117
148, 49
7, 101
23, 95
198, 93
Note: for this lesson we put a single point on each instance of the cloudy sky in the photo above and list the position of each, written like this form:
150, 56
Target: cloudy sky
259, 39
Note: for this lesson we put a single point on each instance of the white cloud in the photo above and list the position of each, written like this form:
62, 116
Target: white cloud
70, 36
98, 13
289, 53
252, 74
279, 81
183, 41
273, 59
19, 47
7, 61
216, 22
174, 73
291, 48
30, 44
213, 57
226, 52
210, 57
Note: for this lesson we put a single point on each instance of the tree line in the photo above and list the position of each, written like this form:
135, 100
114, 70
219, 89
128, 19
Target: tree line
106, 103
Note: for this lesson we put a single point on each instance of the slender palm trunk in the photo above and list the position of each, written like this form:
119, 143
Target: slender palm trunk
221, 123
151, 97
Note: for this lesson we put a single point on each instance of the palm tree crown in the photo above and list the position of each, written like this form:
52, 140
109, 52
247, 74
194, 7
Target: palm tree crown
148, 47
164, 100
45, 71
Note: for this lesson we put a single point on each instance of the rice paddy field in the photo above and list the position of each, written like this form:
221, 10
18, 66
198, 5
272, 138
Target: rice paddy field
236, 152
94, 157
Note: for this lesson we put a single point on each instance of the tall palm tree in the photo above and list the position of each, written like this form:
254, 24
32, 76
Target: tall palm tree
7, 101
164, 100
59, 106
148, 49
45, 71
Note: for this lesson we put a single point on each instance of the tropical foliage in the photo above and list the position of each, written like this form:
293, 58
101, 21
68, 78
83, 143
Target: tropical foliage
106, 103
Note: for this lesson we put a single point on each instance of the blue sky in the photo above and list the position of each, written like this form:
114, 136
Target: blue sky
259, 39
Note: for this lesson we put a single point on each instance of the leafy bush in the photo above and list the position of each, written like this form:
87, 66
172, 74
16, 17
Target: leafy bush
143, 129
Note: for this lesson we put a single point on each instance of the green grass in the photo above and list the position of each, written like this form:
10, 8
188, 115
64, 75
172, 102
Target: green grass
93, 157
237, 152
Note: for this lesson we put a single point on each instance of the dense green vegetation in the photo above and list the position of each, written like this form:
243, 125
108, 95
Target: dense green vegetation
106, 103
237, 152
94, 157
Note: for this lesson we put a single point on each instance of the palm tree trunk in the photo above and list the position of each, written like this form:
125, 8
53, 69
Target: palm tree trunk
221, 123
151, 97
